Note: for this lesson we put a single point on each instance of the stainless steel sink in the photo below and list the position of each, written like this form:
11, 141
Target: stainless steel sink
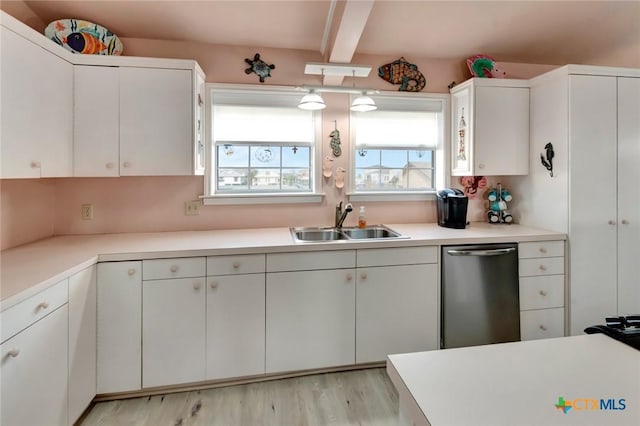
318, 234
370, 232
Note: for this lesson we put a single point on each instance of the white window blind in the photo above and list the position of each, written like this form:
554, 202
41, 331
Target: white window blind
399, 122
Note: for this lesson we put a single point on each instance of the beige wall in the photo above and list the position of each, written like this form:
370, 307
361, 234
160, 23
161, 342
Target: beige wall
35, 209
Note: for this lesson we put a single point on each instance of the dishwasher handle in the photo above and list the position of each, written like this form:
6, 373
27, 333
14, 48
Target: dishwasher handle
492, 252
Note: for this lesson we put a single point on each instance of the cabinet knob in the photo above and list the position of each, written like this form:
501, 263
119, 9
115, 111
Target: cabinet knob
612, 222
197, 285
543, 268
543, 250
481, 165
126, 164
131, 272
174, 268
236, 265
349, 277
35, 164
543, 328
363, 276
43, 305
625, 222
109, 165
213, 285
543, 293
13, 352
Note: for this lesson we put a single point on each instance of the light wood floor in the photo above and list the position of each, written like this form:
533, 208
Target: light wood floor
362, 397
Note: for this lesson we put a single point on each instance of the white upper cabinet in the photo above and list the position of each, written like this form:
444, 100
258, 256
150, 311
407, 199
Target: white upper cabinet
156, 121
490, 128
37, 105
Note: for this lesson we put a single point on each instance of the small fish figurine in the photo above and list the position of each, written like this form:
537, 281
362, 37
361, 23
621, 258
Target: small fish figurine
259, 67
403, 73
83, 42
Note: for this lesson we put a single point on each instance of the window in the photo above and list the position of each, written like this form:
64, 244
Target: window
399, 148
262, 144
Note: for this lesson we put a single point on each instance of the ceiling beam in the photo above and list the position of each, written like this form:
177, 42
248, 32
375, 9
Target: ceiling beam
352, 24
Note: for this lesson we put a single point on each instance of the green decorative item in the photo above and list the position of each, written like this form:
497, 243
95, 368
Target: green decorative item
484, 66
335, 140
258, 66
403, 73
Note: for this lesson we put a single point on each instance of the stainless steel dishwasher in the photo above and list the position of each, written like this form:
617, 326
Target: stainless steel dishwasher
480, 296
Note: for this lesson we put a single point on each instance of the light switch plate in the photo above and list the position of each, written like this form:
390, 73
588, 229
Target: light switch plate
86, 211
192, 208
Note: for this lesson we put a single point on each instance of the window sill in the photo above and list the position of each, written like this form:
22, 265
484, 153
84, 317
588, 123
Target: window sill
394, 196
233, 199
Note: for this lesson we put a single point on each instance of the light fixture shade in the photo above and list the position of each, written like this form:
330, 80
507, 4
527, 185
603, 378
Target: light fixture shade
363, 103
312, 101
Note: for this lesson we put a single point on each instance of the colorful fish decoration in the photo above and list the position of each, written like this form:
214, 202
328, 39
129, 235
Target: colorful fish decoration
484, 66
83, 37
403, 73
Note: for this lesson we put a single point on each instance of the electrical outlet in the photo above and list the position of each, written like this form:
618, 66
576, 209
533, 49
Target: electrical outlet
86, 212
192, 208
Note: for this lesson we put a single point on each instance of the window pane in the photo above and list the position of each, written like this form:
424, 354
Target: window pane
296, 180
265, 179
265, 156
233, 179
367, 157
394, 158
423, 156
296, 156
419, 178
233, 155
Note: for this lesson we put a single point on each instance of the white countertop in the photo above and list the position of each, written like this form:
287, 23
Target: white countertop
519, 383
30, 268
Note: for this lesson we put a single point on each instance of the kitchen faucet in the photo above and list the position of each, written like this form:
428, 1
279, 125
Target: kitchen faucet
342, 215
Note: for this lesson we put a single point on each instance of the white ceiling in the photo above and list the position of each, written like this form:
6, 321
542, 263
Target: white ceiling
545, 32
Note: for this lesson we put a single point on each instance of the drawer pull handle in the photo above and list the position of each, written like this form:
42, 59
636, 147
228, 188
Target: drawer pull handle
543, 293
214, 285
349, 277
126, 164
543, 250
625, 222
236, 265
109, 165
612, 222
197, 285
363, 276
35, 164
543, 268
14, 352
174, 268
543, 328
43, 305
131, 272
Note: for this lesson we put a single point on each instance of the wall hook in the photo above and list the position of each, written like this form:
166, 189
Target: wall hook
548, 161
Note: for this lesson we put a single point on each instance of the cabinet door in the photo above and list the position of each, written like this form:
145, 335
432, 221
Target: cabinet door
82, 341
37, 106
156, 122
628, 205
310, 319
34, 373
396, 311
501, 131
235, 326
119, 327
96, 124
593, 200
173, 331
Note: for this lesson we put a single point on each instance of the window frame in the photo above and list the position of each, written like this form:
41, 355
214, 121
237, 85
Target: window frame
213, 197
440, 155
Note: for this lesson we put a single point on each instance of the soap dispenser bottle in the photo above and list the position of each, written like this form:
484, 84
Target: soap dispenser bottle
362, 220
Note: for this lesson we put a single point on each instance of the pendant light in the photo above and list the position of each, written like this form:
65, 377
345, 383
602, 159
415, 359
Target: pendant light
312, 101
362, 103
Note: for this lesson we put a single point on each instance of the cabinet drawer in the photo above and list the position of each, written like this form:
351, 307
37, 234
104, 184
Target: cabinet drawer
397, 256
541, 249
312, 260
239, 264
541, 266
158, 269
541, 324
22, 315
545, 291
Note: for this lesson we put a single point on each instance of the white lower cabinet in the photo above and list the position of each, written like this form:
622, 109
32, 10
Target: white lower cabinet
119, 327
310, 314
235, 325
82, 341
396, 311
34, 373
542, 289
173, 318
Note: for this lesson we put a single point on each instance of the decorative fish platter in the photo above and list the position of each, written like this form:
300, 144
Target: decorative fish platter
85, 37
